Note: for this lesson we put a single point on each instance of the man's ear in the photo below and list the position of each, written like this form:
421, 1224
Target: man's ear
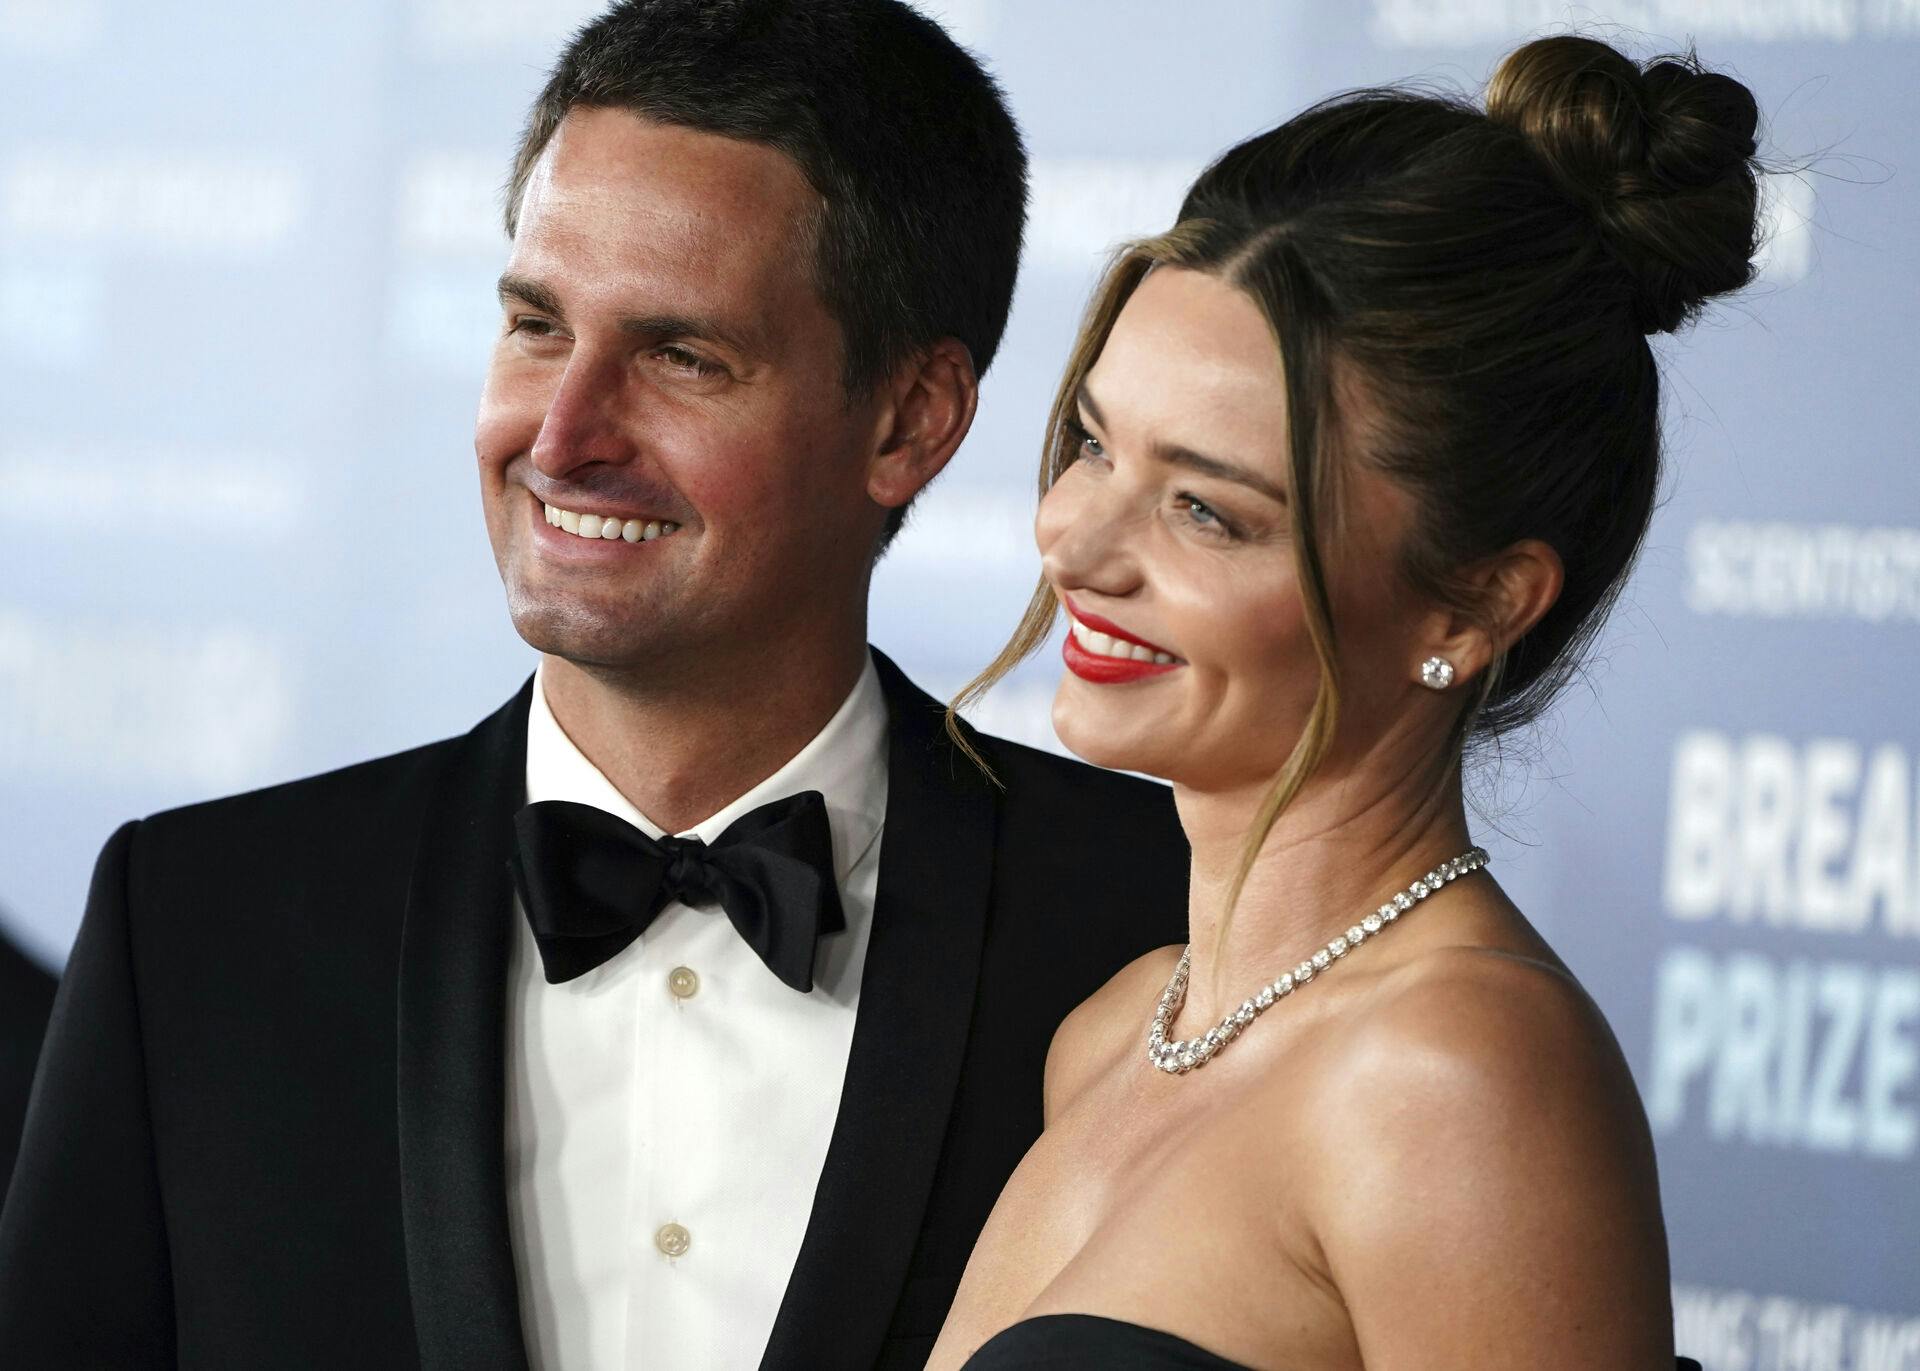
1514, 589
933, 400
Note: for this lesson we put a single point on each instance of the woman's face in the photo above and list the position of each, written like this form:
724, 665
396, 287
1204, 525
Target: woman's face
1171, 526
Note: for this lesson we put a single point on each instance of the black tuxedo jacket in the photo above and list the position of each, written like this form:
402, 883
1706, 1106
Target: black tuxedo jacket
26, 998
268, 1124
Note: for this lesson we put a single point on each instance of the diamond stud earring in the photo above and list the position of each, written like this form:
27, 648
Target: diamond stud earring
1436, 673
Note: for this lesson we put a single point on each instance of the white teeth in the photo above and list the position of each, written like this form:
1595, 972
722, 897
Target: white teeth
1105, 645
608, 528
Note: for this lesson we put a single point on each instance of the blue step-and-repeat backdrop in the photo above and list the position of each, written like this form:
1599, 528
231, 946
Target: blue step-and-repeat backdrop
246, 265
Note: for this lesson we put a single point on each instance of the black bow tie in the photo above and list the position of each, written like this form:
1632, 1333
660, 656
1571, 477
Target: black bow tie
592, 882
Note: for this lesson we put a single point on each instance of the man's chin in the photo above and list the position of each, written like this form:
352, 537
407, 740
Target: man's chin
588, 637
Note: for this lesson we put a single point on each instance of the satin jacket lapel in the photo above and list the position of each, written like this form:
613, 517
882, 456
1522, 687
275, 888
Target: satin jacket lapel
916, 1003
452, 1086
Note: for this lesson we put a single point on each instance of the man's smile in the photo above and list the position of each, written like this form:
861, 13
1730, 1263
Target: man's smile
608, 527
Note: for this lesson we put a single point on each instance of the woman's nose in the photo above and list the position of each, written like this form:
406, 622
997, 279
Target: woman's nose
1088, 535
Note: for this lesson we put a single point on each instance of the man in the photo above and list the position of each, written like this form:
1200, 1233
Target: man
26, 997
326, 1086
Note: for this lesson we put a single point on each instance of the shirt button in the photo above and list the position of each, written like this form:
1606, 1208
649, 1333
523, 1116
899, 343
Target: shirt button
673, 1240
684, 982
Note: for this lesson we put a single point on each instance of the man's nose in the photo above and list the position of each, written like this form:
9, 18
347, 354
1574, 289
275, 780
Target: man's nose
585, 419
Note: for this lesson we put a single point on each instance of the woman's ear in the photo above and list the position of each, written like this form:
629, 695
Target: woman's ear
933, 404
1512, 590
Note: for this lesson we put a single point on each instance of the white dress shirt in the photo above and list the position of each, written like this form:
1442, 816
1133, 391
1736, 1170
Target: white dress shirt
668, 1113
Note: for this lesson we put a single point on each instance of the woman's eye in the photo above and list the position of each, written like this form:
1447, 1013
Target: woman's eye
1202, 514
1084, 443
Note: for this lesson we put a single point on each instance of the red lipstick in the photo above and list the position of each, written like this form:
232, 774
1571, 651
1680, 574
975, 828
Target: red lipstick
1111, 629
1109, 670
1103, 670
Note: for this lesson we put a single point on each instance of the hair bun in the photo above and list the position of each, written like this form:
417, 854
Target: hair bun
1662, 157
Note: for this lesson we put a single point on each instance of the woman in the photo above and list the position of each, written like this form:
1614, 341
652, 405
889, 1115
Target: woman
1347, 469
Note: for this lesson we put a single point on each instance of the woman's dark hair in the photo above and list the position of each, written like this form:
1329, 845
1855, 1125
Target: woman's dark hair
919, 165
1461, 300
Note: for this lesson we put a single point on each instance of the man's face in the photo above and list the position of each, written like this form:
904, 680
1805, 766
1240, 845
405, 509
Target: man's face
665, 363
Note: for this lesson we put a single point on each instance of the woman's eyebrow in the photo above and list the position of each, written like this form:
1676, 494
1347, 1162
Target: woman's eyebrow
1177, 455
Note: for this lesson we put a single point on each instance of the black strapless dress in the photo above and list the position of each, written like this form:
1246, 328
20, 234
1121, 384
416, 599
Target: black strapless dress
1087, 1342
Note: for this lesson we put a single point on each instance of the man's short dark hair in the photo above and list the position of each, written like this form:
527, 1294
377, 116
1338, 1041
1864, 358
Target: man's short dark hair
907, 140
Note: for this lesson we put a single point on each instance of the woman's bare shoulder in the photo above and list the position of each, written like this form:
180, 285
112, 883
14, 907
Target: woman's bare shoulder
1467, 998
1485, 1134
1472, 1038
1102, 1025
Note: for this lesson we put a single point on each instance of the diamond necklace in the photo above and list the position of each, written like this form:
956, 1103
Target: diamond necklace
1183, 1055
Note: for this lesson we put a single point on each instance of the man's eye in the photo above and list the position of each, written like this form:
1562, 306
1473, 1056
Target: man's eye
686, 360
525, 323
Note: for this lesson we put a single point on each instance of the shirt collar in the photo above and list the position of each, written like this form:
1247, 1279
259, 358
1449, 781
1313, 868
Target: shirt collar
846, 762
